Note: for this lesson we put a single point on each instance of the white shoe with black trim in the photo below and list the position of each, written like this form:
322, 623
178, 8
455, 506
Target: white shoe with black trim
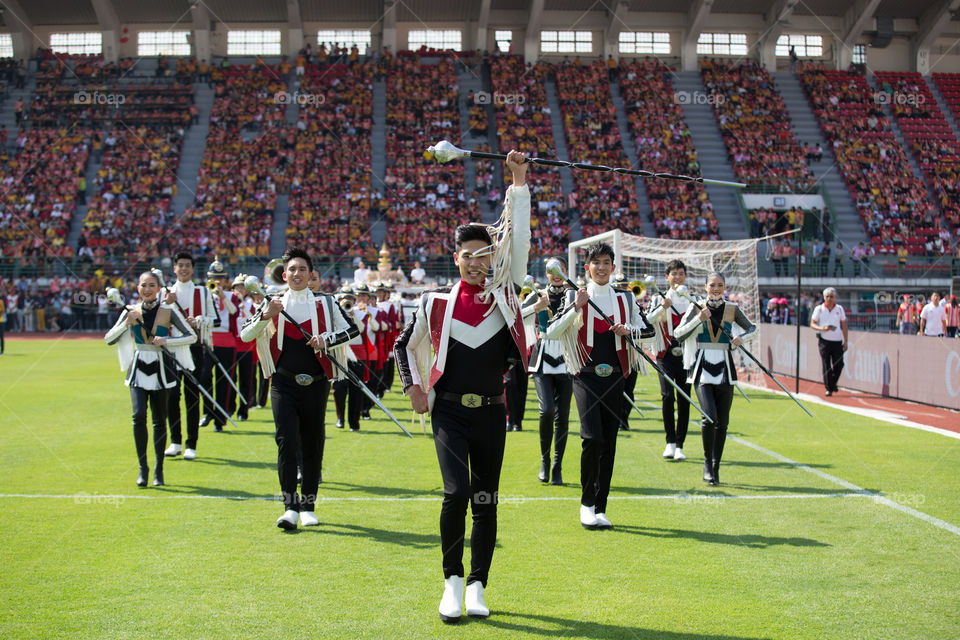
588, 517
288, 520
679, 454
309, 519
189, 454
670, 450
173, 450
603, 522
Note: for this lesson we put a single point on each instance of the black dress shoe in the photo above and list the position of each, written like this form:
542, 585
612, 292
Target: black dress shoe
206, 420
708, 472
142, 477
517, 427
158, 478
544, 468
339, 424
218, 428
241, 418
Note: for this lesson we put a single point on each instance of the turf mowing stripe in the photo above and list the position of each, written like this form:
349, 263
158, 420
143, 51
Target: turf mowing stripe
91, 498
937, 522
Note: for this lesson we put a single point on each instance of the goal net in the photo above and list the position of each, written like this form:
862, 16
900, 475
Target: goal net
639, 256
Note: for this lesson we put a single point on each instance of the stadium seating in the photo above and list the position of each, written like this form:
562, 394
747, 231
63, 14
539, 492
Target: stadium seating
602, 200
523, 123
681, 210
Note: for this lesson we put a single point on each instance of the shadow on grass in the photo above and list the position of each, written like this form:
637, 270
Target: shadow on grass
403, 538
402, 492
243, 464
772, 465
183, 489
739, 540
569, 628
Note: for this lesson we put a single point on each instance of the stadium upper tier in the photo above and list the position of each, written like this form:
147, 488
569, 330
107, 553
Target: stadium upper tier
93, 154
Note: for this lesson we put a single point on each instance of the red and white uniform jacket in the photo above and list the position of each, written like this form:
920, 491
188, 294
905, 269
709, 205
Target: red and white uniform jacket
228, 310
667, 320
317, 315
193, 301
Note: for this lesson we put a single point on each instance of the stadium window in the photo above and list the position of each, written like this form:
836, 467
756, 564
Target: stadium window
722, 44
805, 46
163, 43
359, 38
504, 40
84, 43
644, 42
566, 42
859, 54
6, 45
435, 39
253, 43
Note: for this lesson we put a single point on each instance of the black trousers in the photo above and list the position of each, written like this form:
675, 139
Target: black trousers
629, 384
298, 413
372, 383
158, 410
951, 333
554, 392
191, 397
715, 400
831, 356
2, 346
263, 386
224, 392
388, 371
346, 394
515, 386
598, 403
469, 446
245, 381
673, 366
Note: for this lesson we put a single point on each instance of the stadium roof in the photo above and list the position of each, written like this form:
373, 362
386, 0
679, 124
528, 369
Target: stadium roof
68, 12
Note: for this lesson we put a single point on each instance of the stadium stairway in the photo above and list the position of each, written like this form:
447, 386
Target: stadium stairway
630, 148
712, 154
560, 144
192, 153
469, 81
378, 149
8, 116
807, 129
944, 107
76, 224
278, 230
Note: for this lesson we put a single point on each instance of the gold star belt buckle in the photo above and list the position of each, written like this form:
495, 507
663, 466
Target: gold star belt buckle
603, 370
303, 379
471, 400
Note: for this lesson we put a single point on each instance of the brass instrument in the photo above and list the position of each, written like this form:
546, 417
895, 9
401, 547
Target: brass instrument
212, 285
273, 279
638, 288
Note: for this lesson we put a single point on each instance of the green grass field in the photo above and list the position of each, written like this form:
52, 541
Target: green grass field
777, 551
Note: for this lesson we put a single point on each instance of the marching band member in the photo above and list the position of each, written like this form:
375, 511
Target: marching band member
600, 360
245, 350
195, 303
708, 357
630, 382
390, 327
139, 333
552, 382
367, 317
347, 395
226, 303
667, 311
451, 358
302, 372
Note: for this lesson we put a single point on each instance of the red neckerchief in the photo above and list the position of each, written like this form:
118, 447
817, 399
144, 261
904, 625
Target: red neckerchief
468, 308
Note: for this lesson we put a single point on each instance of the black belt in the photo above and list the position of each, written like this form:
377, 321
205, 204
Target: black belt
601, 370
470, 400
302, 379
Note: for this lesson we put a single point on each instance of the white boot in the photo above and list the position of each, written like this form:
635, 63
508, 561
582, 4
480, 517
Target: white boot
474, 600
451, 605
679, 455
588, 517
288, 520
172, 450
670, 450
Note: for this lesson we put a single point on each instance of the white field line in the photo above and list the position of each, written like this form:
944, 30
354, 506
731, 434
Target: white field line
937, 522
93, 498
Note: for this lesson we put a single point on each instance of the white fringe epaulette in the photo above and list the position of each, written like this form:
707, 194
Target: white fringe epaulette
574, 354
263, 350
501, 262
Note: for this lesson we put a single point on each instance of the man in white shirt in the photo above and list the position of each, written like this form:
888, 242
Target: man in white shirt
361, 273
831, 322
933, 317
417, 274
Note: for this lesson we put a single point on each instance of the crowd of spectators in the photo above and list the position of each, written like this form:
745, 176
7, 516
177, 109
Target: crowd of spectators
425, 202
246, 162
892, 203
132, 103
40, 183
932, 142
132, 194
680, 210
523, 123
755, 126
602, 200
330, 191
